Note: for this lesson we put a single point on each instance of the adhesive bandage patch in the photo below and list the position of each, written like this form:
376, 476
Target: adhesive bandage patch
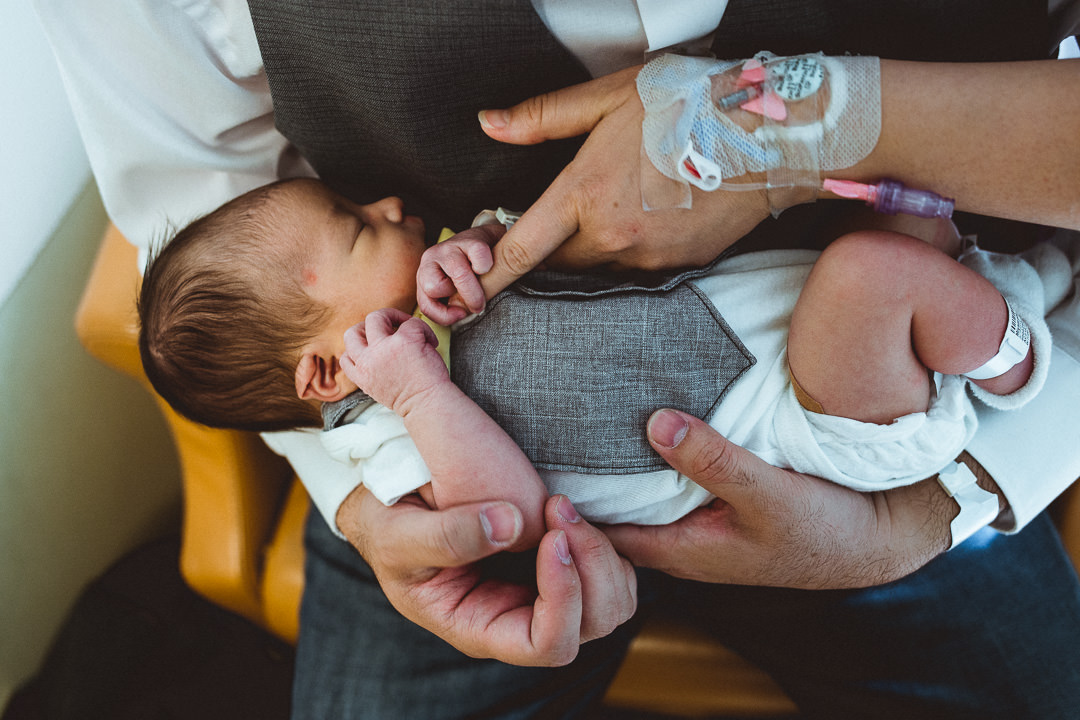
681, 122
710, 123
1014, 348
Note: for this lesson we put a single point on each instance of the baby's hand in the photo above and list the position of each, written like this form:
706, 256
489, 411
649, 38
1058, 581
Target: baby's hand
447, 286
391, 356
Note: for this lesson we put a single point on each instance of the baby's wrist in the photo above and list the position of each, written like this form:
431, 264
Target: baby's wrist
437, 393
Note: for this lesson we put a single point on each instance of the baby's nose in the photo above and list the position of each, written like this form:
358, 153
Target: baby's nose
392, 208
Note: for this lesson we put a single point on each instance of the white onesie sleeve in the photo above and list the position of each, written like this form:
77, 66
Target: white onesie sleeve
373, 450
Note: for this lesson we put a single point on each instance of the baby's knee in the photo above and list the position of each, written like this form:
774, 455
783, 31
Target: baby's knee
871, 257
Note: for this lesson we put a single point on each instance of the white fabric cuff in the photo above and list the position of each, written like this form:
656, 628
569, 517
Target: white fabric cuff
327, 481
374, 451
668, 23
1033, 453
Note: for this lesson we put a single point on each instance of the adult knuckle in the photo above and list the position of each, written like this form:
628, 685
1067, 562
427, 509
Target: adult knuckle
531, 115
718, 461
517, 258
449, 538
593, 187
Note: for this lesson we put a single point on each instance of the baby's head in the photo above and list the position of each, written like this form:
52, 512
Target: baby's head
242, 314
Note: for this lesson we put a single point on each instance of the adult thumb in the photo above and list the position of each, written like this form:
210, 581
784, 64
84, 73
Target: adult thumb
564, 113
701, 453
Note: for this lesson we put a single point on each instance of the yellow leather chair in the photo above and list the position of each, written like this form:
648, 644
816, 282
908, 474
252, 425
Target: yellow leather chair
244, 512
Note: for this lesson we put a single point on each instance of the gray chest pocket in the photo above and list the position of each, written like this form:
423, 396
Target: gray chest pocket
573, 379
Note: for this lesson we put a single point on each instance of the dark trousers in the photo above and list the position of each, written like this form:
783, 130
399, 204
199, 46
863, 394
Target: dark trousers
989, 630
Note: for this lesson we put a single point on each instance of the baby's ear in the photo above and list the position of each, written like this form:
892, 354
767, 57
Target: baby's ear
321, 378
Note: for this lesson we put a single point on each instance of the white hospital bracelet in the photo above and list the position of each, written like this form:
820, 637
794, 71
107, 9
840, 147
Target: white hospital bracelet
978, 507
1014, 348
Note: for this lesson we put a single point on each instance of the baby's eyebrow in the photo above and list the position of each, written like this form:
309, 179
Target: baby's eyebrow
340, 210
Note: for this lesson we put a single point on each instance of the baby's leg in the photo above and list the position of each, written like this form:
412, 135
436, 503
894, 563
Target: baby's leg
879, 309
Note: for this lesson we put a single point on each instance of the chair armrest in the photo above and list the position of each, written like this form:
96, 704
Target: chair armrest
106, 321
283, 574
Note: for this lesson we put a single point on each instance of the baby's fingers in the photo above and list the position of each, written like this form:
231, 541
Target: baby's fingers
431, 280
383, 323
355, 339
453, 267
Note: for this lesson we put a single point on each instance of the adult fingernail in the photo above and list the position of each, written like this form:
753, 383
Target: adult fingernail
667, 428
493, 118
501, 523
566, 510
561, 548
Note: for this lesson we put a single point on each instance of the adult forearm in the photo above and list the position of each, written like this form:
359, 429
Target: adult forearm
1003, 139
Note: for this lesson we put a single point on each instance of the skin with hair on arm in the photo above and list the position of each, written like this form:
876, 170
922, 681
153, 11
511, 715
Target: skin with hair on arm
771, 526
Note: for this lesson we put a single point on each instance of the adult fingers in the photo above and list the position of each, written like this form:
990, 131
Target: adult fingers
705, 456
563, 113
556, 215
726, 528
547, 632
608, 581
409, 538
538, 233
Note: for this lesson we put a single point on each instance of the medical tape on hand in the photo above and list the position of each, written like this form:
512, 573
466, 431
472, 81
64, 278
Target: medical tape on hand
689, 139
1014, 348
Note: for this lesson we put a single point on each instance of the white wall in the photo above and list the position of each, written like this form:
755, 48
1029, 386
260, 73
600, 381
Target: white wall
87, 470
42, 162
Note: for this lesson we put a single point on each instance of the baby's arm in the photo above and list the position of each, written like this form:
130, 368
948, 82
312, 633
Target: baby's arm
392, 357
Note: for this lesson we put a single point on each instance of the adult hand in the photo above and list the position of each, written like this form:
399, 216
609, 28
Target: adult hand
770, 526
592, 214
424, 561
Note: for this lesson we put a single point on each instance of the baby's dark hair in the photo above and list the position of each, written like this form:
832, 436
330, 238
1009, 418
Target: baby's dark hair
222, 319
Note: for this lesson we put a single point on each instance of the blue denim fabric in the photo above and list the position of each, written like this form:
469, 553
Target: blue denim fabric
989, 630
